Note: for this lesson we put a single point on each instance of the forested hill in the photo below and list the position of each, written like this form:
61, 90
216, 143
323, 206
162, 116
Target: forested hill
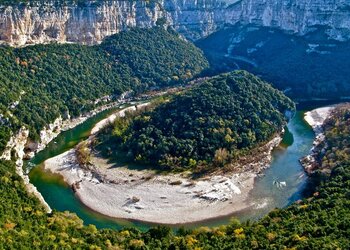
210, 124
38, 83
319, 222
155, 57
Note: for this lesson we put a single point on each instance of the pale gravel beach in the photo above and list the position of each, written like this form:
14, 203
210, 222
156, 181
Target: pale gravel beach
166, 199
143, 195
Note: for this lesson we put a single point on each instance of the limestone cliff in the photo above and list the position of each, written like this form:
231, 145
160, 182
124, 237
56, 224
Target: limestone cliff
198, 18
89, 23
86, 24
15, 149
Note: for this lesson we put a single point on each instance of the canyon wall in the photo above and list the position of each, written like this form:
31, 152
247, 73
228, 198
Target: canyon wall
90, 22
198, 18
53, 21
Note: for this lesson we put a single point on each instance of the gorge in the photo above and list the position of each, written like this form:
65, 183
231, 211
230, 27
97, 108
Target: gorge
128, 119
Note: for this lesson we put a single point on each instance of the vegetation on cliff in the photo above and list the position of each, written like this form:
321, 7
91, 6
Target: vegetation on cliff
49, 80
39, 83
5, 134
319, 222
210, 124
335, 149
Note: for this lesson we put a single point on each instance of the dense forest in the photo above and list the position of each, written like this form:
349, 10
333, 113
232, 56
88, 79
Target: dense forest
38, 83
319, 222
305, 67
173, 60
208, 125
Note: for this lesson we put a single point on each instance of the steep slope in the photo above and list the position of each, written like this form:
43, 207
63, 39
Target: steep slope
88, 22
40, 83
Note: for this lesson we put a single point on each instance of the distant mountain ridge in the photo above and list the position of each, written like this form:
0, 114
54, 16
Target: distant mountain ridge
88, 22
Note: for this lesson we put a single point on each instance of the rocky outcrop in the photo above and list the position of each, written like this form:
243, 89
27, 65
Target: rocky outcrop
303, 16
199, 18
315, 119
52, 21
15, 146
15, 149
52, 130
55, 21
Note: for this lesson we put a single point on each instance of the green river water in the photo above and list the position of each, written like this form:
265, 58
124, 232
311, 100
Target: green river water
297, 143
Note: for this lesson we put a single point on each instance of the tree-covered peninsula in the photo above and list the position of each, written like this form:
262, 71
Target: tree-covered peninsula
210, 124
40, 82
318, 222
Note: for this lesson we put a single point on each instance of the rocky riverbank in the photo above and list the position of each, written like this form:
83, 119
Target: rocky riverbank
17, 144
20, 147
315, 119
52, 130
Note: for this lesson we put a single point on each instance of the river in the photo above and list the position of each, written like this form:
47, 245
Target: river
285, 167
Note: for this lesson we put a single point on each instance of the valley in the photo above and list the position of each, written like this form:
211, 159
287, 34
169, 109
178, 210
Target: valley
138, 193
285, 158
172, 124
286, 155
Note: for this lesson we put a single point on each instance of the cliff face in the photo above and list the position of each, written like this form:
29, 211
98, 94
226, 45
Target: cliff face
90, 23
299, 16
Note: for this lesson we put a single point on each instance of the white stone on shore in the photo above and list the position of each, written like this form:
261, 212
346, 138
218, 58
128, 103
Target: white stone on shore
159, 202
315, 118
110, 119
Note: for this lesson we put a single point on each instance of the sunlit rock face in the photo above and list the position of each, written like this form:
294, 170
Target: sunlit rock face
89, 23
85, 24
